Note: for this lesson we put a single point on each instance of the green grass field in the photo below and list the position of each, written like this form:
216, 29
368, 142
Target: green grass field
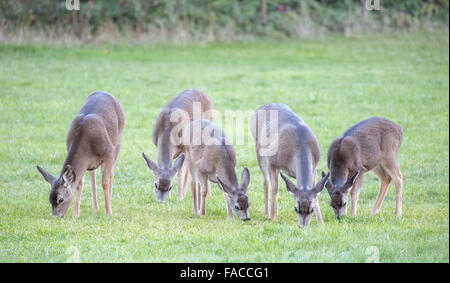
331, 84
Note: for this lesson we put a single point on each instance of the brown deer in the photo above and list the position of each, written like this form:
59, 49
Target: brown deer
369, 145
285, 142
167, 136
93, 140
211, 158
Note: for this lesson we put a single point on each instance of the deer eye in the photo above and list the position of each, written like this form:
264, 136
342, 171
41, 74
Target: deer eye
237, 207
60, 200
170, 188
156, 185
296, 210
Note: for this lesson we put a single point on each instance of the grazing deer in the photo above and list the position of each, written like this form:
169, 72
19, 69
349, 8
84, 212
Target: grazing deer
168, 135
212, 159
369, 145
93, 140
293, 148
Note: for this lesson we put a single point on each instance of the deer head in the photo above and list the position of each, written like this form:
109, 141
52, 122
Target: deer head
305, 199
61, 193
339, 195
237, 196
164, 176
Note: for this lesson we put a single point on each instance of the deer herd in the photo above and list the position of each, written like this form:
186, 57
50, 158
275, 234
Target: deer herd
184, 131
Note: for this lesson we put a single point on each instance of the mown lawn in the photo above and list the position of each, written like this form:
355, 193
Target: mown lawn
331, 84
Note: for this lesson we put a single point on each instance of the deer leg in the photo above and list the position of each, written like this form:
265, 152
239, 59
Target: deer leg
111, 183
204, 184
106, 183
266, 197
94, 191
355, 193
318, 213
230, 215
181, 176
393, 170
187, 179
76, 211
194, 196
385, 179
265, 171
274, 183
194, 192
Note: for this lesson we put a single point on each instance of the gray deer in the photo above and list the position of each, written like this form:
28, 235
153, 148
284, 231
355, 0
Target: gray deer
211, 158
93, 140
167, 136
368, 145
285, 142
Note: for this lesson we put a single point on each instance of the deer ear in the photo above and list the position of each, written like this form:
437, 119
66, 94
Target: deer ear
245, 179
178, 163
319, 186
289, 185
223, 186
47, 176
150, 163
68, 175
351, 181
327, 183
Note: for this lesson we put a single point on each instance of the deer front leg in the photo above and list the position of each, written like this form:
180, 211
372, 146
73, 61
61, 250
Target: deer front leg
204, 188
181, 177
94, 191
187, 180
266, 197
194, 194
106, 183
318, 213
385, 180
76, 212
230, 215
274, 183
355, 193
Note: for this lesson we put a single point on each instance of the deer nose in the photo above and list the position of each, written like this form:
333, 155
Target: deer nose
246, 219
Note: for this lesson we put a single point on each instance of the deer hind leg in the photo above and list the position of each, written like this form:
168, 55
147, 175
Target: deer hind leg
356, 188
111, 182
385, 180
204, 188
106, 184
76, 211
94, 191
274, 184
392, 168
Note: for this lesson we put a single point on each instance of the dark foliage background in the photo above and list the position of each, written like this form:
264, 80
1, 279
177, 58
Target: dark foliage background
216, 19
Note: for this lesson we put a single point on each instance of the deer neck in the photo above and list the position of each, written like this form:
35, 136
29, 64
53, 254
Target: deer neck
304, 169
164, 149
76, 160
226, 173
